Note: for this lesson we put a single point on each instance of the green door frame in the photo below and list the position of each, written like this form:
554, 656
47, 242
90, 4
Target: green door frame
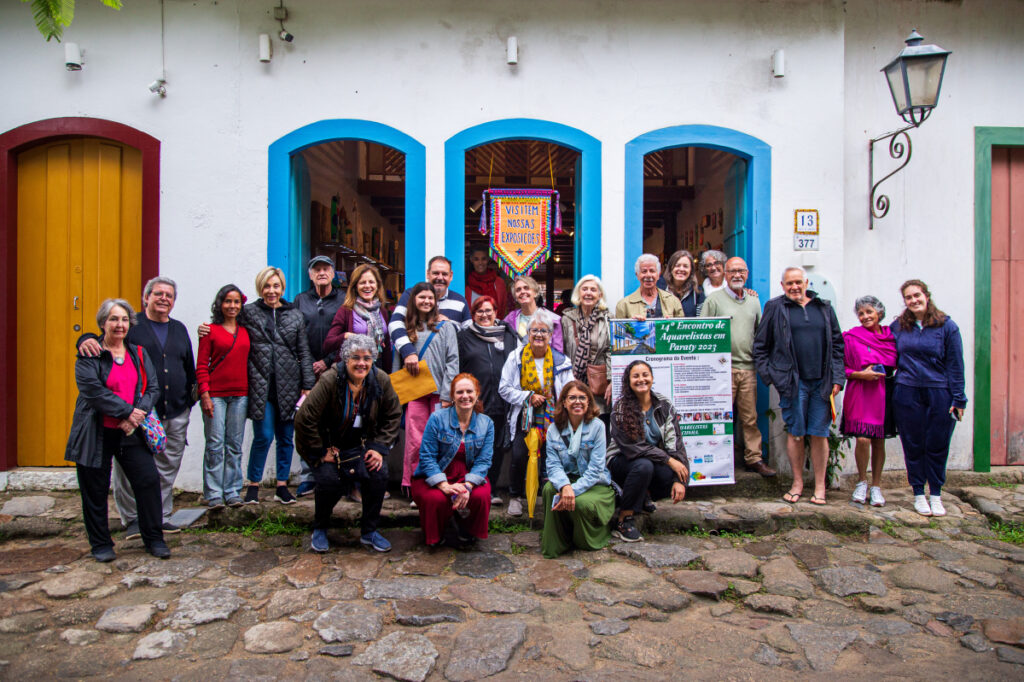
984, 139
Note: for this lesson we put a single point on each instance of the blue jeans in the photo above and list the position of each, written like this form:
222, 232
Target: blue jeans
222, 462
809, 414
263, 433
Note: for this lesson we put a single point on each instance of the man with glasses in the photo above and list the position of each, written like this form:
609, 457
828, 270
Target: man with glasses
744, 311
712, 264
648, 301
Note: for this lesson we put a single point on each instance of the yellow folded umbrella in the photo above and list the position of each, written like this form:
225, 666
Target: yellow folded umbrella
532, 474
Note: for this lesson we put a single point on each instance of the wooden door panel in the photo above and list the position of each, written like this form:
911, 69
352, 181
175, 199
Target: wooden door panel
79, 242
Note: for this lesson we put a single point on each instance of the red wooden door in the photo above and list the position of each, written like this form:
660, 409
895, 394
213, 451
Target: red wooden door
1007, 305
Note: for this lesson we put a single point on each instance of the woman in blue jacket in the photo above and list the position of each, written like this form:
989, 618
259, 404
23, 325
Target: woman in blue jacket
577, 476
455, 454
929, 397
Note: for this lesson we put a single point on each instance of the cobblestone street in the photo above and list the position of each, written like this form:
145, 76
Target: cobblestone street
752, 589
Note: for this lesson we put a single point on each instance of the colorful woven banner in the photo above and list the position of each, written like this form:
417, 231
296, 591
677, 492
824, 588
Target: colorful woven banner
521, 223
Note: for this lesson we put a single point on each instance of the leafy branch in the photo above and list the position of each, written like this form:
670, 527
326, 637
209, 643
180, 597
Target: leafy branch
53, 16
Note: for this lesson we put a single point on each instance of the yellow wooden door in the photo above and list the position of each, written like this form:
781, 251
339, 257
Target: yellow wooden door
79, 242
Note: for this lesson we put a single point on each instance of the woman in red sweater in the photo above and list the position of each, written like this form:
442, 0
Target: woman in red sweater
221, 371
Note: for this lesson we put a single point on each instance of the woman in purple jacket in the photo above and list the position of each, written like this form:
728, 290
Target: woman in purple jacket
870, 356
929, 397
363, 312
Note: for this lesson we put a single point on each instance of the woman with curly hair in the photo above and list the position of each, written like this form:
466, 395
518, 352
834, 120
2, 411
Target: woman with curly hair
929, 397
646, 457
436, 342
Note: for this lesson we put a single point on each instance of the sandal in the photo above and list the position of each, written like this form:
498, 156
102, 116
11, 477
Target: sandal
820, 501
792, 498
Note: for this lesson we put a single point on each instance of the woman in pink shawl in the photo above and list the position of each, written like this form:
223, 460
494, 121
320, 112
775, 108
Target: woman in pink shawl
870, 356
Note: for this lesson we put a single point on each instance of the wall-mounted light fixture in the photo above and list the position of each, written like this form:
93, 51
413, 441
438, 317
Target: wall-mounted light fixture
779, 63
915, 80
281, 14
512, 50
159, 87
73, 57
266, 49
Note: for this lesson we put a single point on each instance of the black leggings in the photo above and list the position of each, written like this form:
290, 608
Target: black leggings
331, 486
640, 476
137, 463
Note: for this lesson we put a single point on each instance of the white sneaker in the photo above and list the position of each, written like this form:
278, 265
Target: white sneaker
936, 504
921, 505
515, 507
860, 493
876, 497
496, 501
412, 504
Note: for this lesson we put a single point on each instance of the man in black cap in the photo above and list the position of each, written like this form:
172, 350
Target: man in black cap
318, 305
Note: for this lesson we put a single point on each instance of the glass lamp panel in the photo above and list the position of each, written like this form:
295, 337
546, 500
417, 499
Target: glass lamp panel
924, 76
894, 74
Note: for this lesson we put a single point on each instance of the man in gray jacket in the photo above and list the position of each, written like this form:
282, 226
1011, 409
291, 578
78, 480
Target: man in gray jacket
798, 348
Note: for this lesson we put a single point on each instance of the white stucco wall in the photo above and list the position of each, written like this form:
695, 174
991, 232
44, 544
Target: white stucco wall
612, 70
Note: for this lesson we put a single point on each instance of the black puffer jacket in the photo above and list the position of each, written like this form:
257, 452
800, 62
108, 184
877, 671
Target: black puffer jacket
484, 361
279, 347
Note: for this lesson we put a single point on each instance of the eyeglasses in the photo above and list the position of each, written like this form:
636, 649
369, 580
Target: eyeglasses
741, 271
713, 266
539, 332
485, 311
577, 399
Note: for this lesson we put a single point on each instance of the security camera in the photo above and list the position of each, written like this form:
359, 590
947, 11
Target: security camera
72, 57
286, 36
159, 87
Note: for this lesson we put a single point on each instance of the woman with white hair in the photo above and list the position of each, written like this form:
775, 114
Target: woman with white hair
531, 380
870, 356
526, 292
587, 336
648, 301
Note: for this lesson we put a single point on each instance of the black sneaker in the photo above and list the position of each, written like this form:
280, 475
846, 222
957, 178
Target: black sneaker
159, 549
252, 494
131, 531
626, 531
171, 528
104, 554
649, 505
283, 496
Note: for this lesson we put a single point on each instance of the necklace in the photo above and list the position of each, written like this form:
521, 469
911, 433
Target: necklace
117, 360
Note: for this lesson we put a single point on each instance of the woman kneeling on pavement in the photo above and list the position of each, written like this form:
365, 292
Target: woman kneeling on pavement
647, 457
116, 390
577, 476
345, 430
455, 455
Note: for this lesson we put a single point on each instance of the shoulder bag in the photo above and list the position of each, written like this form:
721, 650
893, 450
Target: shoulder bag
152, 428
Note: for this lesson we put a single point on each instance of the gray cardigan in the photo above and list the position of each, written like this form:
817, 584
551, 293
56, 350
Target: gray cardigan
442, 355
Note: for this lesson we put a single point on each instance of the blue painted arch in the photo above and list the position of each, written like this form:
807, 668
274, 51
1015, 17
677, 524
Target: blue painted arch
753, 216
284, 248
756, 213
588, 225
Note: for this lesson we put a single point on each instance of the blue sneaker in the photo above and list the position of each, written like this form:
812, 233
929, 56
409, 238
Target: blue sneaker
375, 541
318, 541
305, 488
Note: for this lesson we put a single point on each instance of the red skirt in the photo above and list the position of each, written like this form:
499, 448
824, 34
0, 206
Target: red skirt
436, 507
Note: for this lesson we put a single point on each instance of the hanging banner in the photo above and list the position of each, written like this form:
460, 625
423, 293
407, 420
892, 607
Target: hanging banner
691, 359
521, 223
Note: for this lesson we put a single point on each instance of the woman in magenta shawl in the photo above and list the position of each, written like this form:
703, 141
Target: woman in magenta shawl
870, 356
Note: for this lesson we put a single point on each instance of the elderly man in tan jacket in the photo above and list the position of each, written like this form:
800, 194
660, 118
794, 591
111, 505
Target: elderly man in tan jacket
648, 301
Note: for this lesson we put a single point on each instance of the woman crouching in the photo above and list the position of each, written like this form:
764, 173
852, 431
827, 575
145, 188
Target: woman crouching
578, 499
455, 455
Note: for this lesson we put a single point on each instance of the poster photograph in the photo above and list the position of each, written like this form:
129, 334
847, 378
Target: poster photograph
692, 364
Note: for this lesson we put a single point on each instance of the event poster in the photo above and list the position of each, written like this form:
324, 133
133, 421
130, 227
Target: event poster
692, 364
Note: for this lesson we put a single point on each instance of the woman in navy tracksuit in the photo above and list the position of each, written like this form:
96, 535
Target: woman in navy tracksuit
929, 397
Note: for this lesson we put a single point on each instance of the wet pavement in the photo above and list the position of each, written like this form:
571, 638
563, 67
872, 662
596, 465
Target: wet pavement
722, 588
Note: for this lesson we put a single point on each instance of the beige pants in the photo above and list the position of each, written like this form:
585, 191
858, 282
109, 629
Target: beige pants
744, 395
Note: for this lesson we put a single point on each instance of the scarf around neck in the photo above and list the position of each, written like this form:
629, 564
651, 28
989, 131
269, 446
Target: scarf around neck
529, 380
882, 343
494, 334
374, 322
581, 354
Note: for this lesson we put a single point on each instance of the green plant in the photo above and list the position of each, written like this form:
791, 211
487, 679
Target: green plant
889, 528
694, 532
836, 455
1009, 532
277, 524
500, 525
731, 595
517, 549
993, 483
53, 16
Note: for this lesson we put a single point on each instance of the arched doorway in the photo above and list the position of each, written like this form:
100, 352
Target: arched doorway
587, 187
292, 191
94, 181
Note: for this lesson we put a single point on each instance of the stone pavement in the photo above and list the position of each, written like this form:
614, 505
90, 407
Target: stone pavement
752, 589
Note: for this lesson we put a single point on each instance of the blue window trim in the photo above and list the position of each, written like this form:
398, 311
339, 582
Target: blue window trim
758, 192
758, 195
279, 223
588, 229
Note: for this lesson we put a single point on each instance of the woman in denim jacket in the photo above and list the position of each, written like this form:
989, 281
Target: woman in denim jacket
577, 476
455, 454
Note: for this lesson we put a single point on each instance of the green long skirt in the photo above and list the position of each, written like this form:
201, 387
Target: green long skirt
587, 527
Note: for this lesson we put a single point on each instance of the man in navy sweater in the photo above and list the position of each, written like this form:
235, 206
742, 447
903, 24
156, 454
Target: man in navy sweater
170, 348
450, 304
